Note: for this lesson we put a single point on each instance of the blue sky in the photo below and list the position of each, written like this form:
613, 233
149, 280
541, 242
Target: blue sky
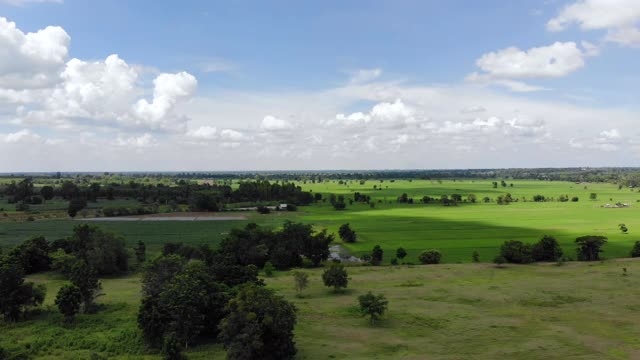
332, 84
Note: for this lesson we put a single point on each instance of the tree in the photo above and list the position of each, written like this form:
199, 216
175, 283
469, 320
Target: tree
472, 198
68, 300
590, 247
635, 251
517, 252
376, 255
499, 261
141, 252
547, 249
335, 276
301, 280
430, 257
259, 325
347, 234
623, 228
103, 251
372, 306
84, 278
75, 205
475, 256
47, 192
33, 255
268, 269
316, 247
16, 295
593, 196
401, 253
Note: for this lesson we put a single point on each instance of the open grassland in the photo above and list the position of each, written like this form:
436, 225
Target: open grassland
456, 231
459, 230
454, 311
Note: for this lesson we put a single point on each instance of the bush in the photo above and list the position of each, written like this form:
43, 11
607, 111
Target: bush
516, 252
547, 249
430, 257
347, 234
475, 256
68, 300
335, 276
268, 269
499, 260
259, 325
376, 255
373, 306
263, 210
635, 251
590, 247
575, 199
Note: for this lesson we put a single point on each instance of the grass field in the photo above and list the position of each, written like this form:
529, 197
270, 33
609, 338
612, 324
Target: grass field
456, 231
455, 311
459, 230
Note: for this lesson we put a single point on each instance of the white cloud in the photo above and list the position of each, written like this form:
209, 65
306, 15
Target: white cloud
168, 90
610, 134
143, 141
232, 135
387, 114
31, 60
365, 75
556, 60
619, 17
20, 136
203, 132
270, 122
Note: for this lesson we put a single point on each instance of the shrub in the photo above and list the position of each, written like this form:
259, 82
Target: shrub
259, 325
335, 276
547, 249
635, 251
499, 261
575, 199
517, 252
68, 300
373, 306
301, 280
401, 253
263, 210
376, 255
475, 256
430, 257
268, 269
394, 261
347, 234
590, 247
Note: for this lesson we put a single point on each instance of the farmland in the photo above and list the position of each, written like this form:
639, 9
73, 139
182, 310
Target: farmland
579, 310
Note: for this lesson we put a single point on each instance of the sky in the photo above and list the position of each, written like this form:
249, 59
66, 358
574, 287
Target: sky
302, 85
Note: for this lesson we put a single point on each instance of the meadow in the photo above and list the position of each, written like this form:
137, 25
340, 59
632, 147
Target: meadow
541, 311
456, 231
459, 230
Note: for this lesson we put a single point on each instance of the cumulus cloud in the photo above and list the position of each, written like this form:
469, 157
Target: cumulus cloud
270, 123
168, 90
387, 114
31, 60
620, 18
203, 132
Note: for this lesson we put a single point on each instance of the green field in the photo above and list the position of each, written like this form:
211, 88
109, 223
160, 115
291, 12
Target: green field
459, 230
456, 231
456, 311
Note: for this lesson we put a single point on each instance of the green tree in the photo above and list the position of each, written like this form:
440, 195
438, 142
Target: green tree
47, 192
475, 256
593, 196
347, 234
401, 253
336, 277
75, 205
517, 252
635, 251
84, 278
33, 255
268, 269
623, 228
373, 306
499, 260
430, 257
141, 252
301, 280
68, 300
16, 295
376, 255
547, 249
259, 325
590, 247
